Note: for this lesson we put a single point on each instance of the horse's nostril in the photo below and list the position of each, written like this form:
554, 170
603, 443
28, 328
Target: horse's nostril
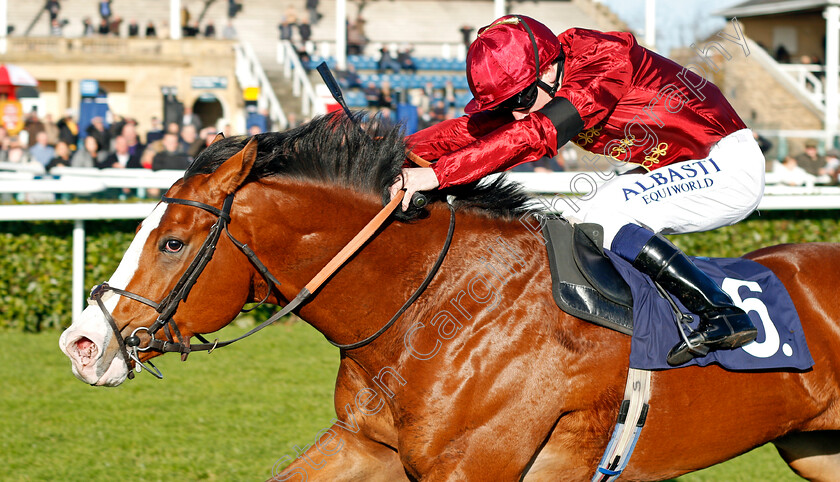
86, 350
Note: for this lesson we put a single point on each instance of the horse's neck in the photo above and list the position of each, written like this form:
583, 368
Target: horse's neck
310, 224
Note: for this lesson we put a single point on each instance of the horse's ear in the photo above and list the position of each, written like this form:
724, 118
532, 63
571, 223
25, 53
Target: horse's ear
233, 172
218, 137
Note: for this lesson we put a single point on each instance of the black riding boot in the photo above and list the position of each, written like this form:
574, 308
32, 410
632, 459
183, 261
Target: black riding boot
722, 324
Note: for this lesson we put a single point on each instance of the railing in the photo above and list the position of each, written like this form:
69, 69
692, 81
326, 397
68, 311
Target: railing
805, 77
301, 85
249, 73
542, 185
786, 79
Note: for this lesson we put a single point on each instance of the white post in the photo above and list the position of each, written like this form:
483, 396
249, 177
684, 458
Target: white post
832, 70
78, 285
4, 25
341, 34
499, 8
650, 24
174, 19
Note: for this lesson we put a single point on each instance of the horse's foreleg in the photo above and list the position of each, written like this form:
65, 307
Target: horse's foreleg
813, 456
338, 454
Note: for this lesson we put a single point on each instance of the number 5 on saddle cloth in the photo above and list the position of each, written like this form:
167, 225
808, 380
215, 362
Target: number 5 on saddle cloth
600, 287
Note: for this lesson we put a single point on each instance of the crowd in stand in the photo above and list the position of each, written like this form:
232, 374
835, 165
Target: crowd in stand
111, 24
809, 167
118, 145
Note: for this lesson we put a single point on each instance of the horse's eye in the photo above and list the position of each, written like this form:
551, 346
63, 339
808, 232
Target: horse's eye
172, 246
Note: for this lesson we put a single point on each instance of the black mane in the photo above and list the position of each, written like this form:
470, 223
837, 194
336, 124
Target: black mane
334, 149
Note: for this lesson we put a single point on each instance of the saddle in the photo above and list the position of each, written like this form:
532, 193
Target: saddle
585, 284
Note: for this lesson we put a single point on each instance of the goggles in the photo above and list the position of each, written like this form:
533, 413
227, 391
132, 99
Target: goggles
527, 97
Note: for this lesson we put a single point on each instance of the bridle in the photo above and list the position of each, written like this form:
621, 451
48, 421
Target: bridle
166, 308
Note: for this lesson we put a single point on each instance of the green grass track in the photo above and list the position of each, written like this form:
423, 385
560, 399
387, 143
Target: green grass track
226, 416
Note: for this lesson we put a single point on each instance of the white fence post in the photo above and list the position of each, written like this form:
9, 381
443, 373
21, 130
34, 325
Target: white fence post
78, 285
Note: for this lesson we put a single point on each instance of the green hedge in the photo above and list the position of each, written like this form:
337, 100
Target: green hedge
35, 268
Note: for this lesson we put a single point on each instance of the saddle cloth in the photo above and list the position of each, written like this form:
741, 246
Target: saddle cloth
647, 315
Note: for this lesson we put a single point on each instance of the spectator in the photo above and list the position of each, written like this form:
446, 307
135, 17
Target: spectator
171, 157
234, 8
61, 158
16, 153
190, 144
104, 27
185, 17
133, 28
156, 131
305, 32
32, 125
87, 28
114, 25
89, 156
387, 62
405, 60
356, 39
41, 151
763, 143
190, 118
811, 161
129, 132
191, 30
97, 130
386, 117
121, 158
210, 30
105, 9
51, 129
312, 8
151, 31
372, 94
116, 126
146, 158
68, 130
466, 34
782, 55
286, 28
53, 8
832, 164
56, 28
790, 174
386, 96
206, 137
229, 31
349, 79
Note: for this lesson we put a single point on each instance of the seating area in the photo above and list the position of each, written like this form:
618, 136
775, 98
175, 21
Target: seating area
434, 75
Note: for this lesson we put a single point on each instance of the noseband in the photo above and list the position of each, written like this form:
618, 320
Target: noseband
166, 308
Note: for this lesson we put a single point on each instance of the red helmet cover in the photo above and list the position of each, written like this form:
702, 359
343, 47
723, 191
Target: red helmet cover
500, 62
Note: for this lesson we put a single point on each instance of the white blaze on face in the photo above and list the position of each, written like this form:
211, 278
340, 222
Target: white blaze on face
89, 337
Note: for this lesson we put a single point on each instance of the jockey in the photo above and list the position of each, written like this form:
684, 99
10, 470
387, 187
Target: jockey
700, 167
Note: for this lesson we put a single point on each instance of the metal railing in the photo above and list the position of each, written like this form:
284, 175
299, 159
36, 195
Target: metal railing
301, 85
249, 73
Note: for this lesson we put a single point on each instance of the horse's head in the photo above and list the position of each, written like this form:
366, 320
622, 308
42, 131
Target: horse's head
147, 296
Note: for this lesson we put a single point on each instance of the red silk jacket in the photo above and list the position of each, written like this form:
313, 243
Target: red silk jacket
636, 105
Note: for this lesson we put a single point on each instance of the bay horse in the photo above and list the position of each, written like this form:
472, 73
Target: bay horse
483, 378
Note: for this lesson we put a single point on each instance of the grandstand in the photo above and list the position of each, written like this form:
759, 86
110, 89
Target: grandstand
432, 28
